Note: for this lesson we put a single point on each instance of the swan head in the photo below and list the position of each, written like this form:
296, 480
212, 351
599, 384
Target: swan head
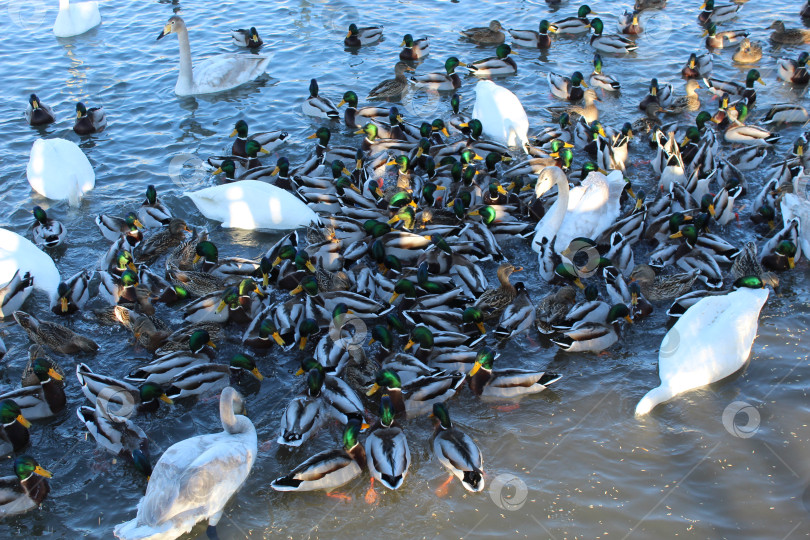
175, 24
548, 177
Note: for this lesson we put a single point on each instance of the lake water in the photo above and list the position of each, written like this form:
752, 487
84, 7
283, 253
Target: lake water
572, 462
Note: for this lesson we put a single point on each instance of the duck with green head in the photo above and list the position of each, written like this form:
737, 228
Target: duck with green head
152, 212
355, 117
387, 452
539, 39
505, 383
715, 39
576, 25
49, 233
456, 451
447, 81
318, 106
89, 121
720, 87
305, 413
329, 469
247, 38
414, 49
14, 434
500, 64
26, 490
123, 400
360, 36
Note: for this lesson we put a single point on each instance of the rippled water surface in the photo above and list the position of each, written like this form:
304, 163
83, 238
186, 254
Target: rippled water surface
572, 462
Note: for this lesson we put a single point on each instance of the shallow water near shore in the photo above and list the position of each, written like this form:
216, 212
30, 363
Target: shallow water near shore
571, 462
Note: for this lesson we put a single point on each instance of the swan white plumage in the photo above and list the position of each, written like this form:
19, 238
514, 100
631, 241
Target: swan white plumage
59, 170
215, 74
585, 211
76, 18
194, 478
501, 115
19, 253
252, 204
712, 340
795, 206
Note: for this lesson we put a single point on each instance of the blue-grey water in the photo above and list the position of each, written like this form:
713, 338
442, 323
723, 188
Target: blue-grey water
572, 462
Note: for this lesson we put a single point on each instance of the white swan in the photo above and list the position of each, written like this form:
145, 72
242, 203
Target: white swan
709, 342
251, 204
59, 170
19, 253
794, 206
76, 18
194, 478
501, 114
216, 74
585, 211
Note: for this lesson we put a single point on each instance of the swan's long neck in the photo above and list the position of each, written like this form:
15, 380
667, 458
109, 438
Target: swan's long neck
652, 398
232, 423
186, 76
64, 5
556, 219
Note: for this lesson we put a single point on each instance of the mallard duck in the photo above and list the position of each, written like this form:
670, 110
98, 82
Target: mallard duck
54, 336
611, 43
628, 23
329, 469
530, 38
697, 67
43, 399
247, 38
500, 64
782, 258
73, 294
392, 89
659, 93
576, 25
37, 113
494, 301
417, 396
794, 71
162, 241
112, 228
115, 290
456, 450
58, 169
14, 434
789, 36
737, 131
656, 288
147, 333
712, 340
594, 336
414, 49
207, 379
749, 52
119, 436
601, 80
716, 40
15, 292
518, 316
485, 35
266, 141
358, 37
344, 403
76, 18
720, 87
747, 263
194, 282
89, 121
304, 413
565, 88
179, 340
122, 399
441, 81
152, 212
165, 368
319, 106
387, 453
357, 118
47, 232
717, 13
505, 383
194, 479
786, 113
27, 489
214, 74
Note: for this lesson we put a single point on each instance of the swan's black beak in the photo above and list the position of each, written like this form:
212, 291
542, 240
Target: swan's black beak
167, 29
162, 33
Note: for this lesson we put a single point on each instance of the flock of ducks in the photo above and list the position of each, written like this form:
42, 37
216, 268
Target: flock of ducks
389, 235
